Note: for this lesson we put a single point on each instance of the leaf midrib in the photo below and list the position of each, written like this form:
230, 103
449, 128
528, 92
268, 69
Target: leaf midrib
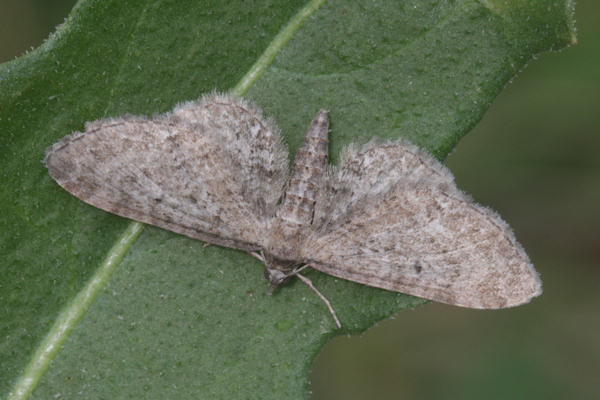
26, 383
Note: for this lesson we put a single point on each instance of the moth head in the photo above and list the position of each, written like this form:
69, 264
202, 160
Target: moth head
278, 271
275, 277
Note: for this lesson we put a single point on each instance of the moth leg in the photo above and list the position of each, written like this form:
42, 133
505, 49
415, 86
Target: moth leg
308, 283
259, 256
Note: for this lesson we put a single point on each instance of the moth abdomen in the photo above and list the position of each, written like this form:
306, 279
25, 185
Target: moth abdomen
309, 167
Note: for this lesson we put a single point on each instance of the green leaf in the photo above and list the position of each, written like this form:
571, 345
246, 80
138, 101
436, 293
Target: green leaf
94, 307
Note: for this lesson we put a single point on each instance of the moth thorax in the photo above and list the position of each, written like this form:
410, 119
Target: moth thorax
285, 240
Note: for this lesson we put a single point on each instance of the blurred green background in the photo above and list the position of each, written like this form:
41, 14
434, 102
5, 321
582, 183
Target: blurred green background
534, 159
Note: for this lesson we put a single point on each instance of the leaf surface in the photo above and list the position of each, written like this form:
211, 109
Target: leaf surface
173, 318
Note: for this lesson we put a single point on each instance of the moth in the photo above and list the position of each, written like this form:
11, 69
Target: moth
389, 216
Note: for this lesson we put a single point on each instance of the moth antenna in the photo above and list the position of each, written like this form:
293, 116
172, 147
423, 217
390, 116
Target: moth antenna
294, 272
308, 283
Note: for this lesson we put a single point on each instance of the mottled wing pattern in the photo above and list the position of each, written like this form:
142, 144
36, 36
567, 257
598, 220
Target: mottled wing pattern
212, 169
392, 217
